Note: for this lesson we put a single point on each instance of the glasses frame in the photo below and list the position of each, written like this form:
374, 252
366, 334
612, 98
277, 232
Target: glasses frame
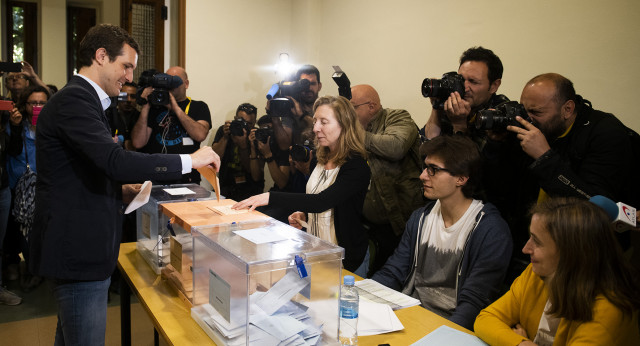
36, 103
362, 104
433, 169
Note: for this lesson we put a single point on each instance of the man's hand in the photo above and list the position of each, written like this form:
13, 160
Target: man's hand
458, 110
226, 129
16, 117
264, 148
532, 140
205, 156
129, 192
145, 93
296, 109
296, 217
252, 202
27, 71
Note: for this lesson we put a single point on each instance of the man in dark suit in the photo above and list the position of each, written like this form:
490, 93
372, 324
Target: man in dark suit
79, 193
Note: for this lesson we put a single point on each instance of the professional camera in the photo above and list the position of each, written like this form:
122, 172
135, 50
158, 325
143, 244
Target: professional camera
302, 153
441, 89
503, 115
161, 84
280, 105
263, 134
237, 125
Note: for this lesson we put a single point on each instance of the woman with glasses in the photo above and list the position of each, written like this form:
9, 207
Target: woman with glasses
23, 121
454, 252
332, 206
578, 290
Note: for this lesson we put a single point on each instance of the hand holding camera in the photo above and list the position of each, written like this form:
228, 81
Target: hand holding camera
458, 109
16, 117
532, 140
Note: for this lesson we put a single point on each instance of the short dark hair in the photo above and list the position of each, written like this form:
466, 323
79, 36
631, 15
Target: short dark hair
308, 69
460, 155
564, 87
494, 65
107, 36
265, 119
247, 108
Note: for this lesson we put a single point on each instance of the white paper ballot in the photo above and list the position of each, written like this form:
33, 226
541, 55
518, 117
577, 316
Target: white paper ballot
280, 293
448, 336
374, 318
141, 198
260, 235
179, 191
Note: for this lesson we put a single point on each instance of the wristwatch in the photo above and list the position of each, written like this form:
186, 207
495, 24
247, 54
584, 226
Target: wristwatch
268, 159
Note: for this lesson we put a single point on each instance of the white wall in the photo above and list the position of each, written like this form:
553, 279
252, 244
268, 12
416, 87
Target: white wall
395, 45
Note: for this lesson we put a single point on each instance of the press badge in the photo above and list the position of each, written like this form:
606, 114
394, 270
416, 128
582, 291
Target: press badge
187, 141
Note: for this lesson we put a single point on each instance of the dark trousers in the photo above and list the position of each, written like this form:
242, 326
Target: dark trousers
385, 242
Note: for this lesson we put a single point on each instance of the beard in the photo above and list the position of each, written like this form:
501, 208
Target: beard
553, 129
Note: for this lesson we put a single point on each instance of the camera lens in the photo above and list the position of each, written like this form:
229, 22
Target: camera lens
431, 87
300, 153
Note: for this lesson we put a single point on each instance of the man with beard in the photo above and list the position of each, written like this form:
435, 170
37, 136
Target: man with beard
482, 73
568, 149
296, 129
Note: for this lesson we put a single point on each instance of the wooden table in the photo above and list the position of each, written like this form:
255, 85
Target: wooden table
172, 319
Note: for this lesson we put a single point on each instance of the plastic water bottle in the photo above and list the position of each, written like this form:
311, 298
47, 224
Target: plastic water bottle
349, 301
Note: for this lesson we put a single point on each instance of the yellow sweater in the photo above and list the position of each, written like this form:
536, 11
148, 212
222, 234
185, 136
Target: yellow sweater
524, 304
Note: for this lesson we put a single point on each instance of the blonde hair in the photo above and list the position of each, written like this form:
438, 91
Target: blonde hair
351, 139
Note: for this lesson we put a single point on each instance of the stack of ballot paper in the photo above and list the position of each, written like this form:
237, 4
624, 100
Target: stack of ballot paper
379, 293
274, 319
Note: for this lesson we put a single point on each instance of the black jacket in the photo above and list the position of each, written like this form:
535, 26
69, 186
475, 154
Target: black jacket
346, 197
78, 220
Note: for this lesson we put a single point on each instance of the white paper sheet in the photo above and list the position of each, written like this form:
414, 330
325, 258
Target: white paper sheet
179, 191
374, 318
280, 293
141, 198
448, 336
260, 235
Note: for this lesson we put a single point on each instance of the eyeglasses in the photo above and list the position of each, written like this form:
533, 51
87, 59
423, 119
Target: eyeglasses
37, 103
14, 78
433, 169
362, 104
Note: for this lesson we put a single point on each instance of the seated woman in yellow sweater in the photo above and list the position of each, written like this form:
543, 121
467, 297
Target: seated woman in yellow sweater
578, 288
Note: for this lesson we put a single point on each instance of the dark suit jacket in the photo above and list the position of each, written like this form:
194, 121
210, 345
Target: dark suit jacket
78, 220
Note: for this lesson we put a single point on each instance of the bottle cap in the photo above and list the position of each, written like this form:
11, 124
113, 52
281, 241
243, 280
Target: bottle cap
349, 280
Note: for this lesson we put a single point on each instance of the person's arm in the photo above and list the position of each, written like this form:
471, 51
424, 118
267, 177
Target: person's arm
395, 271
141, 131
221, 139
27, 71
353, 177
485, 265
14, 147
279, 174
256, 164
494, 325
196, 129
394, 142
282, 133
432, 127
602, 167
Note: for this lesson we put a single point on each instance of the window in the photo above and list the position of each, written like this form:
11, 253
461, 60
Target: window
22, 33
79, 21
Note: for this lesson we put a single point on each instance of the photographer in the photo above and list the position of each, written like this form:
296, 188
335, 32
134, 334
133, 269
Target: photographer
239, 179
482, 73
392, 143
123, 115
568, 150
290, 130
177, 128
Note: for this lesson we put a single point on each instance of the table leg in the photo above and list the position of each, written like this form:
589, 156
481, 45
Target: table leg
125, 313
156, 337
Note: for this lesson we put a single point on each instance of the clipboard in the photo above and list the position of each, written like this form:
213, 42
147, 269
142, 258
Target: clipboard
211, 176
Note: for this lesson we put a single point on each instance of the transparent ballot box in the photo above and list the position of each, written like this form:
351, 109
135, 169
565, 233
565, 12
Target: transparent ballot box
264, 286
152, 231
186, 215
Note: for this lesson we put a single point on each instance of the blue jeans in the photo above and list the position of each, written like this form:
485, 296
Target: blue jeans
82, 312
5, 205
364, 267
